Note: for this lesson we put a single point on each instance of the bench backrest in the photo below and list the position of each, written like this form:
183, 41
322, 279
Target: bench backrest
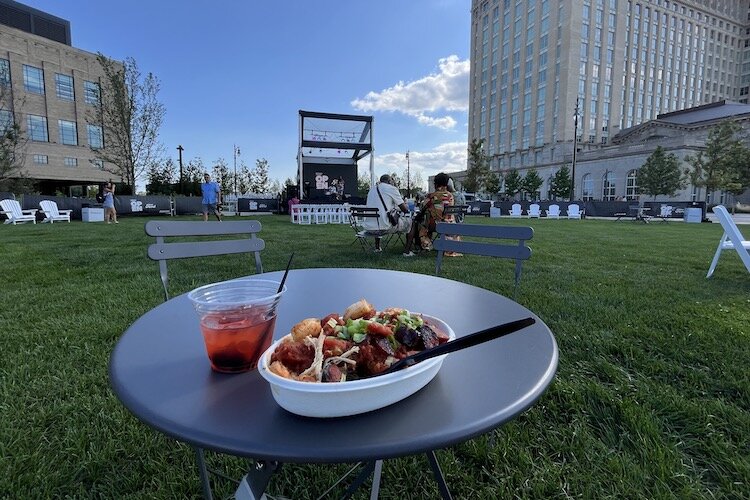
517, 251
162, 250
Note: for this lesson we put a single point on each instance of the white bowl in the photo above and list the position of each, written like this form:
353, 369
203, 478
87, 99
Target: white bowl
339, 399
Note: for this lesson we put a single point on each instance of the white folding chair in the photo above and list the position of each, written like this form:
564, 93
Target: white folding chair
732, 239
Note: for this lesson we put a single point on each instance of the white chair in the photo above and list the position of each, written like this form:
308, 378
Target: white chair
533, 211
574, 211
12, 210
294, 213
731, 240
52, 213
515, 210
553, 212
304, 215
319, 214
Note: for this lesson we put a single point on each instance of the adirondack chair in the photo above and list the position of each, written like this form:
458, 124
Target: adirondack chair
553, 212
732, 239
574, 211
533, 211
12, 210
515, 210
52, 213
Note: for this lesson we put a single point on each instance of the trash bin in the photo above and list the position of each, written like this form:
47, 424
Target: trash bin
693, 215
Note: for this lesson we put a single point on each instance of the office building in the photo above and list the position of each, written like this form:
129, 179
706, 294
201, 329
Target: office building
543, 72
49, 88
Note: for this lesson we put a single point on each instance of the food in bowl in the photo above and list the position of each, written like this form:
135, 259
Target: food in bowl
360, 343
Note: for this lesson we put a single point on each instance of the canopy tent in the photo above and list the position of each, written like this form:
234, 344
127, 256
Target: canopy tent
330, 145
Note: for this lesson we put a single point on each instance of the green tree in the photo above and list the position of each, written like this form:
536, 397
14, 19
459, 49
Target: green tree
478, 167
130, 115
161, 177
492, 184
560, 185
513, 183
259, 181
221, 174
660, 174
363, 184
12, 142
243, 177
531, 183
723, 164
192, 175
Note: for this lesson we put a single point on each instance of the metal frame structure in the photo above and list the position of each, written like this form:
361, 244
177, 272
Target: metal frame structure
359, 148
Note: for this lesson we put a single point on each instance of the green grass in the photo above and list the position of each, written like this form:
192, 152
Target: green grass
651, 399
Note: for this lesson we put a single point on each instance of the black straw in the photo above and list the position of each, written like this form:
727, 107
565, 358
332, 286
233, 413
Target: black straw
281, 285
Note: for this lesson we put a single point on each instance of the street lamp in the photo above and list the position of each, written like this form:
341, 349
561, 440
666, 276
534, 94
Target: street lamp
575, 147
408, 176
236, 153
179, 151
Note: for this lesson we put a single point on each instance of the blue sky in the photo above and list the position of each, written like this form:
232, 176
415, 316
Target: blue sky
237, 72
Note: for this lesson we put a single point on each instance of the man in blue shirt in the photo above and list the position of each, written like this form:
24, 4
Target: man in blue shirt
211, 197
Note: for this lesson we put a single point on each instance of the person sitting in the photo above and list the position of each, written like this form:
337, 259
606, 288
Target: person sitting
385, 197
429, 215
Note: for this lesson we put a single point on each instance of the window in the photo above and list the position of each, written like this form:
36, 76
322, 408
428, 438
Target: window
587, 188
631, 185
91, 92
4, 72
608, 187
37, 128
98, 164
95, 136
68, 133
64, 87
33, 79
6, 120
41, 159
70, 162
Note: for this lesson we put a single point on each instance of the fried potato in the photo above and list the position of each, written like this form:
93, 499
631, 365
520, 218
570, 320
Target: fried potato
309, 327
358, 310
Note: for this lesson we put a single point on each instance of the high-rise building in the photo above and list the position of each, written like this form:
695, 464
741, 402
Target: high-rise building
542, 70
49, 88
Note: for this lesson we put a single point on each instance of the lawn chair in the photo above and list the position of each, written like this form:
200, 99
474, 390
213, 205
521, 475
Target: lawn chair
457, 211
12, 210
732, 239
574, 211
533, 211
52, 213
515, 210
518, 252
553, 212
162, 251
364, 232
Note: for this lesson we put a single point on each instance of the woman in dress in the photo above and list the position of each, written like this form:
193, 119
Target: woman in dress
110, 214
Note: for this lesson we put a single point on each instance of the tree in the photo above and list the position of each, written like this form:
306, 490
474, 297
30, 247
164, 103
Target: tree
243, 178
531, 183
478, 166
363, 184
513, 183
723, 164
492, 183
12, 142
560, 185
259, 182
220, 173
160, 177
130, 116
660, 174
193, 176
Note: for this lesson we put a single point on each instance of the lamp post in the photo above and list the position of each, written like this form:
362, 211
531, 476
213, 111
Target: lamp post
408, 176
236, 153
179, 151
575, 147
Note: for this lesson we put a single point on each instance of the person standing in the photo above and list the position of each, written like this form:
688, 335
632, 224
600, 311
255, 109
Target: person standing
110, 214
211, 197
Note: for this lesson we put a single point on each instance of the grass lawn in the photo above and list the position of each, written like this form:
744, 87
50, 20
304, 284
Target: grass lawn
651, 399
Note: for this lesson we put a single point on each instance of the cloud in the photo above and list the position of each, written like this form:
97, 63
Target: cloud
447, 157
423, 99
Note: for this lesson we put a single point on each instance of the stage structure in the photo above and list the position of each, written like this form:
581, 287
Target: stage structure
330, 145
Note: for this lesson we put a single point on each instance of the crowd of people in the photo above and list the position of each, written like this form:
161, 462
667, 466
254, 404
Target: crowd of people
395, 215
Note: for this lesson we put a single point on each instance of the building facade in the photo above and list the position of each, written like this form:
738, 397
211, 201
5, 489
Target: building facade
544, 72
50, 89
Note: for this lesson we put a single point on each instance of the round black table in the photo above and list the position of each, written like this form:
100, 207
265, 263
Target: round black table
160, 372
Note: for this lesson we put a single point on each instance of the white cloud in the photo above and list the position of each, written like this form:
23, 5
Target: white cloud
447, 157
423, 99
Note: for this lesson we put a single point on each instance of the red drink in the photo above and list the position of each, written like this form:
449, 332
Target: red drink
235, 340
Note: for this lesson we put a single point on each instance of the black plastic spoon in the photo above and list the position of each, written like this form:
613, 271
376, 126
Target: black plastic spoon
461, 343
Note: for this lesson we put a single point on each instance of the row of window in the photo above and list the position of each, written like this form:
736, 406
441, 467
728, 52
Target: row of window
33, 82
36, 129
68, 161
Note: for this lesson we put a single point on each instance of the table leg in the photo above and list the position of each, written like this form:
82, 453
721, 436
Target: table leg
439, 479
203, 472
362, 477
253, 485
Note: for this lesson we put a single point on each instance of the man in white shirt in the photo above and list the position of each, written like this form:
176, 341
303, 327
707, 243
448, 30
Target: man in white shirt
390, 198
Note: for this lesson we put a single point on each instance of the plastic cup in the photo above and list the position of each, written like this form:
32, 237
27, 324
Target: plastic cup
237, 320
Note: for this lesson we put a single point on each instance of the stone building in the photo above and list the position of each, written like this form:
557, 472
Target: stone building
49, 88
